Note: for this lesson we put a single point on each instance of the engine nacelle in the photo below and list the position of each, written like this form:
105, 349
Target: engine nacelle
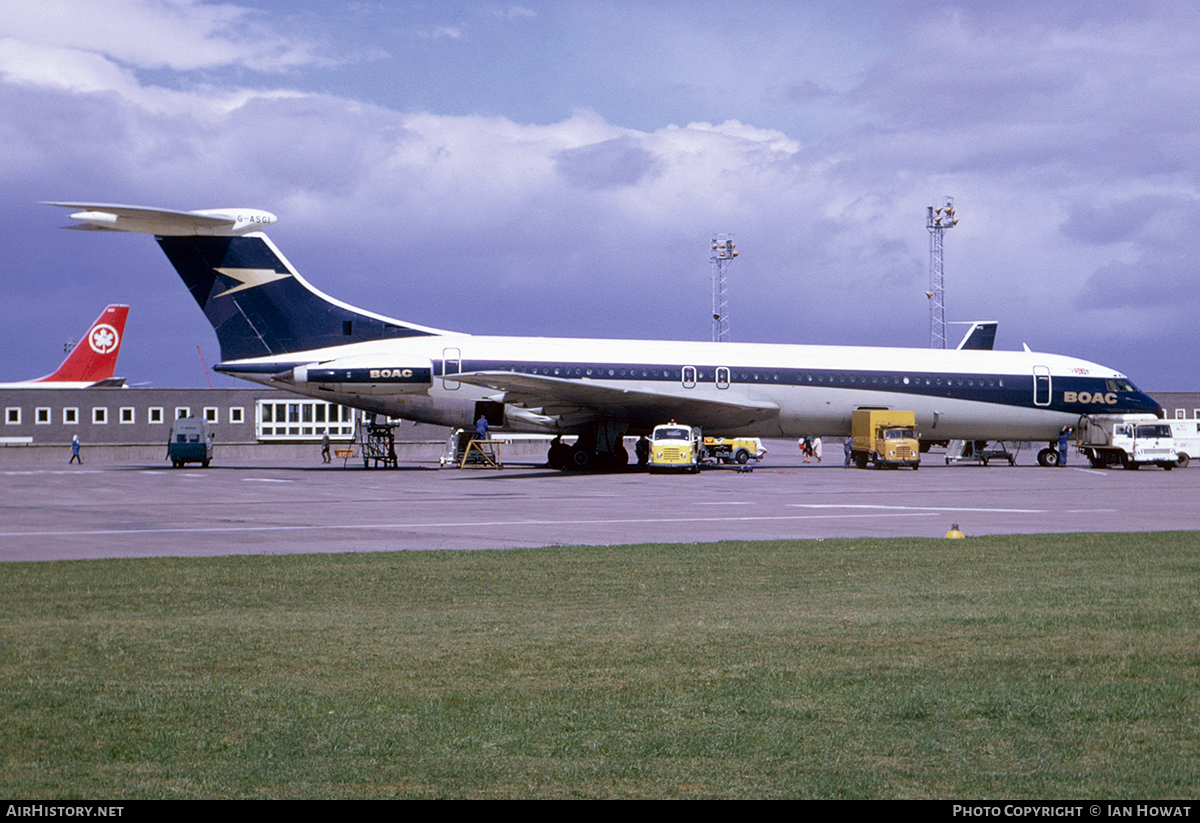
353, 375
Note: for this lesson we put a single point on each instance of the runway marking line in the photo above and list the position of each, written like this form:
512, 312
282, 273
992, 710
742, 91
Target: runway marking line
459, 524
912, 508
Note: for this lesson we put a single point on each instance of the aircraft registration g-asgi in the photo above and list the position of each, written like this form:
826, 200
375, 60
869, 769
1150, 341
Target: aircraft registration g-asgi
276, 329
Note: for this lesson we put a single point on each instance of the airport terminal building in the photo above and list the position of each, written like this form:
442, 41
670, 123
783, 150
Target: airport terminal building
132, 416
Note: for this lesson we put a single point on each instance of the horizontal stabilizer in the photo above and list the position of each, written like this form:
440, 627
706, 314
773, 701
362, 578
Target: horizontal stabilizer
166, 222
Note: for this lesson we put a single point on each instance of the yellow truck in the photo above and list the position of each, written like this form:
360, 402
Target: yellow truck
675, 447
884, 437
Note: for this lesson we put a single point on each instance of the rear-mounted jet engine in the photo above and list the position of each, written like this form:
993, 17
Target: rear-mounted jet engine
353, 376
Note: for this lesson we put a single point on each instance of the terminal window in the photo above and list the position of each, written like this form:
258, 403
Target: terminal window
211, 414
12, 416
154, 414
41, 415
127, 414
99, 415
236, 414
303, 420
70, 416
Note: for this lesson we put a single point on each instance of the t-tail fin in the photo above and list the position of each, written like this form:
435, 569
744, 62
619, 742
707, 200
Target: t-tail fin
94, 358
981, 335
257, 303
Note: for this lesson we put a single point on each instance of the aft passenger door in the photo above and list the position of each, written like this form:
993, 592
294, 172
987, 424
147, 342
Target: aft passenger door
451, 365
1041, 386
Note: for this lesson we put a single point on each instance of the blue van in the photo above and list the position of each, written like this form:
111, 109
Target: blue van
191, 441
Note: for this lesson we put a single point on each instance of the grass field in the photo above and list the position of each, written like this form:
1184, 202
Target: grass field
1063, 666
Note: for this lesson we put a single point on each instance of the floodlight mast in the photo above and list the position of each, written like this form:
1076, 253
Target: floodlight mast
723, 252
938, 219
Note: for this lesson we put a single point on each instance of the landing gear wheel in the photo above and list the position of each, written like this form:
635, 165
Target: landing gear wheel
579, 459
1047, 458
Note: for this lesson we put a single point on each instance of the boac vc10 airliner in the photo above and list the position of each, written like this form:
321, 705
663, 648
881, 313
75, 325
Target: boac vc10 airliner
276, 329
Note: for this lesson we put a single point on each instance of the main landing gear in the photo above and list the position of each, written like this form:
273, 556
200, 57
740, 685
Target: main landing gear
598, 448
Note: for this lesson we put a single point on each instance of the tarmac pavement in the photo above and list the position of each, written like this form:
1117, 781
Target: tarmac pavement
57, 512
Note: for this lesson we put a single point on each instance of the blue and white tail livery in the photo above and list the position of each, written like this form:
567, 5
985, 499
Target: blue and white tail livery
275, 328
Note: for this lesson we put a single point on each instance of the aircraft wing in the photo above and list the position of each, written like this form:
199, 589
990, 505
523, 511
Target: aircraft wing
581, 401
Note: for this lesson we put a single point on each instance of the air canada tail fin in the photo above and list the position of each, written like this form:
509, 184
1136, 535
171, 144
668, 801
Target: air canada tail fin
94, 359
256, 302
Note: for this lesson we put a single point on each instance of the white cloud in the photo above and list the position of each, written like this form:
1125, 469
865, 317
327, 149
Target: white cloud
512, 12
441, 33
1048, 135
180, 35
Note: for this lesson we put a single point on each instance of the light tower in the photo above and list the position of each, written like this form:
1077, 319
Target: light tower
938, 219
723, 252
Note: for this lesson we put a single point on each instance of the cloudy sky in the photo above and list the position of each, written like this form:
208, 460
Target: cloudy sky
557, 168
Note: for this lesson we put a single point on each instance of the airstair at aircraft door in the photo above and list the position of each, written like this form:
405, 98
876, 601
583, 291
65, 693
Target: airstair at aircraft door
377, 442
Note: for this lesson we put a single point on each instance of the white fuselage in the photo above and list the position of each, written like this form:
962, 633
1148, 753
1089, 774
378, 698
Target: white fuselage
813, 390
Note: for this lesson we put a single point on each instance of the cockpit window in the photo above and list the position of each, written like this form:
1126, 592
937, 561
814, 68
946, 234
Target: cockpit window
1119, 384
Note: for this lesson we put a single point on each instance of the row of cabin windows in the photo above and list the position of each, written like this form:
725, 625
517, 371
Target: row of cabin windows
603, 371
42, 415
757, 376
899, 380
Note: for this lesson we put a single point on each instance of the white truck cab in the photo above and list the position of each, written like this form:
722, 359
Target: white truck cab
1130, 440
